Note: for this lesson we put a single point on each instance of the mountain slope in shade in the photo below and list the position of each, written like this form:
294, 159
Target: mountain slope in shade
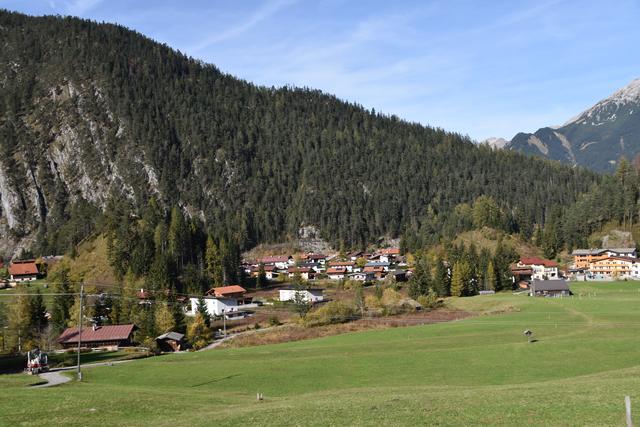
95, 117
596, 138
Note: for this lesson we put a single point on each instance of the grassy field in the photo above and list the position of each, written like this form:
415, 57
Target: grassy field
477, 371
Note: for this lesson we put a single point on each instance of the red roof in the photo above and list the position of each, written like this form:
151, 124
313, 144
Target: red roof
538, 261
226, 290
101, 333
390, 251
342, 264
23, 268
266, 268
336, 270
299, 269
315, 256
142, 294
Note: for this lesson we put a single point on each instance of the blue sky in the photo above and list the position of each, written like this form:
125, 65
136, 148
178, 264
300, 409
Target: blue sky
482, 68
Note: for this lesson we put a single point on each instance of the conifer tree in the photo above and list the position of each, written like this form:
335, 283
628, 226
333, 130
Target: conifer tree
490, 277
442, 279
201, 309
261, 280
214, 263
61, 304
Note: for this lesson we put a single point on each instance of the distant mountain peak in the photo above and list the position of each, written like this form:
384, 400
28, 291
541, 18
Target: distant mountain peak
607, 109
595, 138
495, 142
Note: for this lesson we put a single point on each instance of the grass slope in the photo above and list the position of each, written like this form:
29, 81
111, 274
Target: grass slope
476, 371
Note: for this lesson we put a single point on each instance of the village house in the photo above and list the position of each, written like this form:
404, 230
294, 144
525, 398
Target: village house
542, 269
378, 271
349, 265
361, 276
549, 288
308, 295
522, 276
388, 254
221, 300
318, 260
307, 273
399, 275
384, 264
353, 256
337, 273
270, 272
171, 341
23, 271
614, 267
281, 262
111, 336
582, 258
144, 297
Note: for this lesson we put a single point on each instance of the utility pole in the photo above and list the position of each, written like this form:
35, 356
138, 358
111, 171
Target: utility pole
224, 323
78, 371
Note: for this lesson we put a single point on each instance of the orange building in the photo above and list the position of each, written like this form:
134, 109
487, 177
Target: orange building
615, 267
583, 258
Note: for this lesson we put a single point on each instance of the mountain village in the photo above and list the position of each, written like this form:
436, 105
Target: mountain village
304, 278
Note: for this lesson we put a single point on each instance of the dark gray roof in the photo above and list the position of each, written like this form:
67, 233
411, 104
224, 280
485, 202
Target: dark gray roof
377, 264
176, 336
549, 285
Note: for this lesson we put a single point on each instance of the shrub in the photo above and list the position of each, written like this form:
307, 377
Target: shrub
429, 301
330, 313
274, 321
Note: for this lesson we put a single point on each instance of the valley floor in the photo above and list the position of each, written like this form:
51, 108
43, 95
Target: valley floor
476, 371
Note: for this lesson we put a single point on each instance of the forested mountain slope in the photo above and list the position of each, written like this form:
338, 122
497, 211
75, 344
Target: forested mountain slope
597, 138
91, 113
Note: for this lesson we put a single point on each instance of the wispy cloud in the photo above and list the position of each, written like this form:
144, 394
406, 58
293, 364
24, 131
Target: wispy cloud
75, 7
267, 10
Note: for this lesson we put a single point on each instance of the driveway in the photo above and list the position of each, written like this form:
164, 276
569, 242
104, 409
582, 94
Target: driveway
55, 377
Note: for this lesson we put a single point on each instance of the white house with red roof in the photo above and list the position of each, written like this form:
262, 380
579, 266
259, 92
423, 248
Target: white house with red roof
337, 273
223, 300
23, 271
307, 273
542, 269
281, 262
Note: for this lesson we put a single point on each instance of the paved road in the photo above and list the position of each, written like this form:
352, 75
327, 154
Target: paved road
232, 336
55, 377
220, 341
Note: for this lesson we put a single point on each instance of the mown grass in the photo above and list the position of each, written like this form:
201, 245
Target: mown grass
477, 371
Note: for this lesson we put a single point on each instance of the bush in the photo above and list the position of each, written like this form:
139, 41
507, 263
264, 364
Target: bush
429, 301
274, 321
152, 345
330, 313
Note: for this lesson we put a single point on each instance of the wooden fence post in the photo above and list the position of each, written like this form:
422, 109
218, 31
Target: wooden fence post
627, 405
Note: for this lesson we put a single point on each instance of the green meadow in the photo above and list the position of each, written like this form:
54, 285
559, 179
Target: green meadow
477, 371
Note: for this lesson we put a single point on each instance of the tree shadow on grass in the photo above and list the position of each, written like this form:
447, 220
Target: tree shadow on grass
216, 380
